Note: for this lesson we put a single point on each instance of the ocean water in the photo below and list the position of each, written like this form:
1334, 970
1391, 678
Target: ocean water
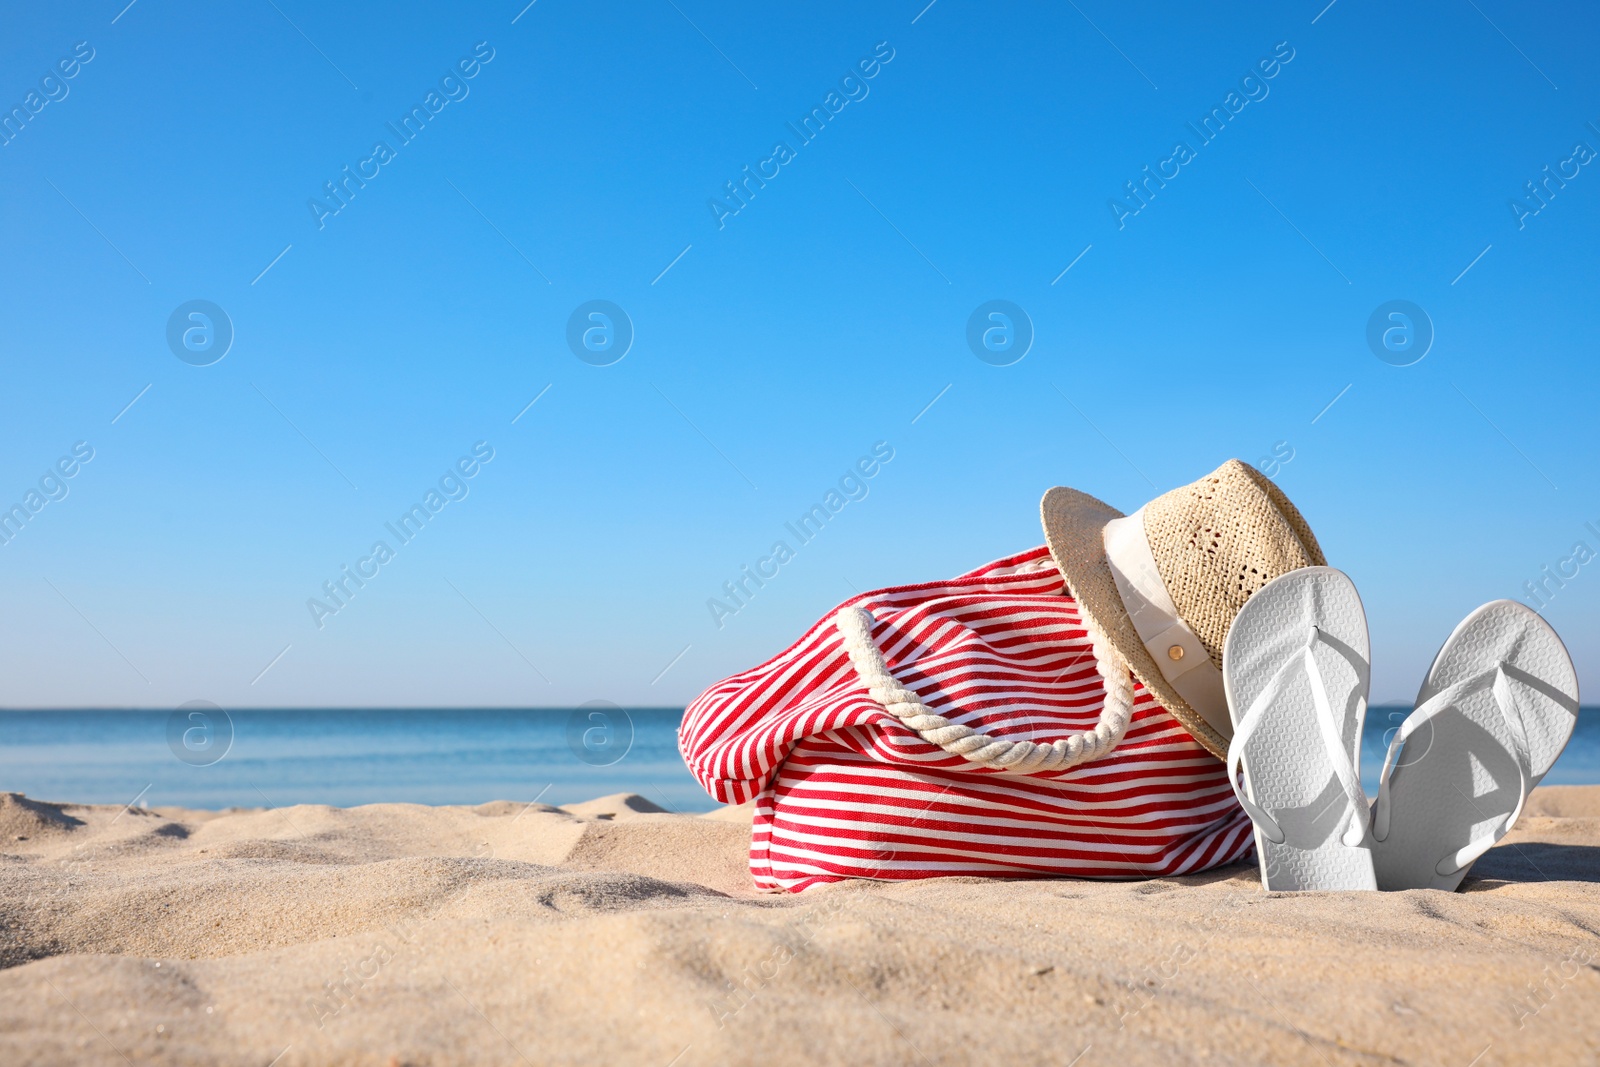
346, 757
201, 757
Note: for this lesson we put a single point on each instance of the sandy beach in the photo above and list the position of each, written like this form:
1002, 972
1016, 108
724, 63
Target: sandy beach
614, 932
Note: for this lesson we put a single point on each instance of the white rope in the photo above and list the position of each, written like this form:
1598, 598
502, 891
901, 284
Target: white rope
1018, 757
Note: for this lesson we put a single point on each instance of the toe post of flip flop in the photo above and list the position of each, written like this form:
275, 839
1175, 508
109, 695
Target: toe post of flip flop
1296, 667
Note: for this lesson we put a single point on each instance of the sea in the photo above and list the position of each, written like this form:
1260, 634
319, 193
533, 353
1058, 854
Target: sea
200, 756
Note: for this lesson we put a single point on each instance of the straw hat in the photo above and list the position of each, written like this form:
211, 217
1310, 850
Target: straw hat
1163, 585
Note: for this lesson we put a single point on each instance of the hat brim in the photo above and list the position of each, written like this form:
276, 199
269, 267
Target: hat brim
1073, 529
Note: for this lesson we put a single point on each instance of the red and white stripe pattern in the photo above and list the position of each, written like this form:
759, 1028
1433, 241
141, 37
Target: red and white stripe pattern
844, 790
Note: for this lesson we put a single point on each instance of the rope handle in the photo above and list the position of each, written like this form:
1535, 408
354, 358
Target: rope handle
1017, 757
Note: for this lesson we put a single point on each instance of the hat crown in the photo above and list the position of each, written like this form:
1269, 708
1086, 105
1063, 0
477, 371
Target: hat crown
1217, 540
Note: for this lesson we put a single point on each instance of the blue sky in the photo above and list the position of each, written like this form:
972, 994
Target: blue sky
772, 348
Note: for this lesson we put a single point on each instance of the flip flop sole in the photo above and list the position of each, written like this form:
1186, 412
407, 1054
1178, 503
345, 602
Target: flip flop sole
1287, 769
1456, 779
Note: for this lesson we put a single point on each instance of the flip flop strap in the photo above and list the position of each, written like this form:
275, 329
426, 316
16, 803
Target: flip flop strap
1017, 757
1498, 682
1327, 730
1420, 716
1468, 854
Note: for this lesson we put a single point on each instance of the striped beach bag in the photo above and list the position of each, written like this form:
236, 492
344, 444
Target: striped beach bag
972, 726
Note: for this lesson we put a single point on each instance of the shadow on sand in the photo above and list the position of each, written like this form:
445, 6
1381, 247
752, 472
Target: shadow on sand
1538, 861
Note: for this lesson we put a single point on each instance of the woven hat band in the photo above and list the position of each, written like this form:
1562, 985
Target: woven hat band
1176, 649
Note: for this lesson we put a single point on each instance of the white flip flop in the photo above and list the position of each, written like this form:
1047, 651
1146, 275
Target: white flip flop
1296, 666
1494, 712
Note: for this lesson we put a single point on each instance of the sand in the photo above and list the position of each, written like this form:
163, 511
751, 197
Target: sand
613, 932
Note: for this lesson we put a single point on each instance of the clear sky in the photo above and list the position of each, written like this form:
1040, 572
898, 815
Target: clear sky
955, 155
